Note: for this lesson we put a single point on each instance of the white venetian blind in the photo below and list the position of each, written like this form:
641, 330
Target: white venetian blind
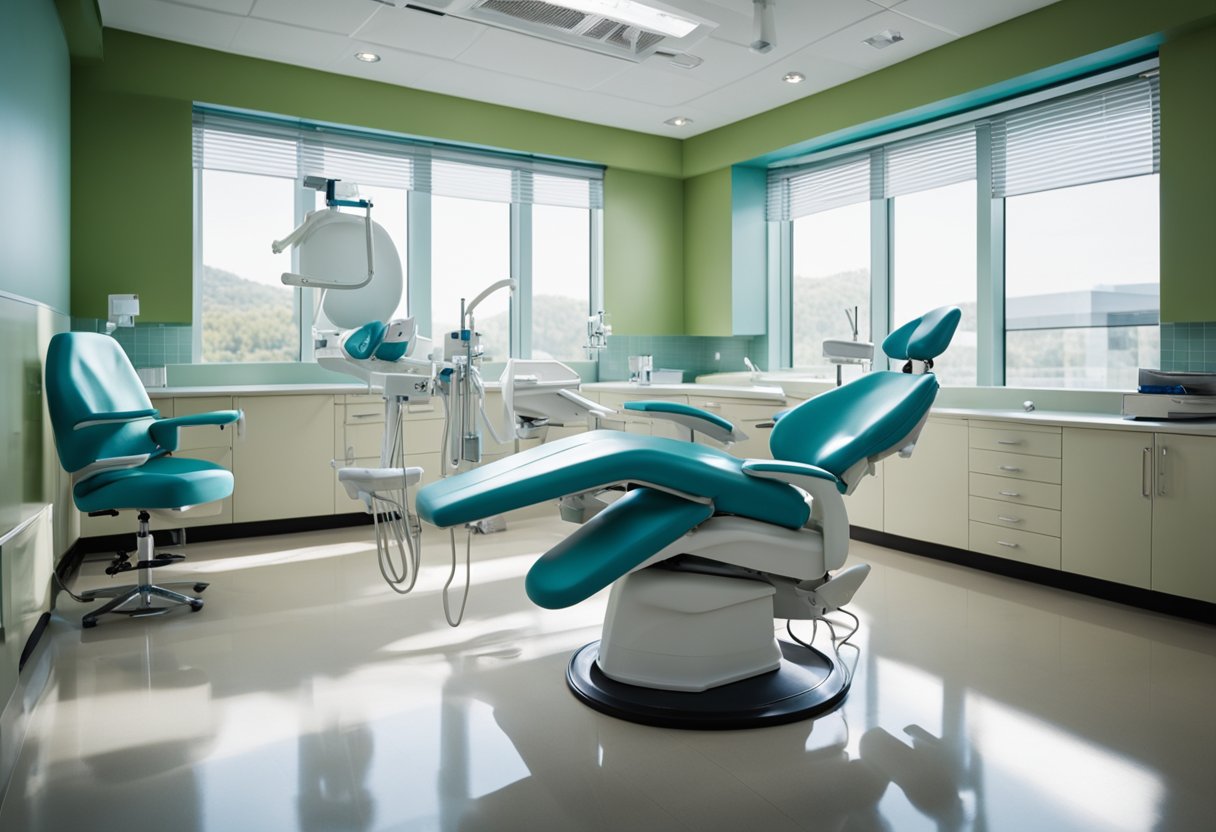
930, 161
800, 191
293, 149
1110, 132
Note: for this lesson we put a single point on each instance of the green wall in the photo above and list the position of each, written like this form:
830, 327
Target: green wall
1188, 177
132, 144
644, 253
708, 294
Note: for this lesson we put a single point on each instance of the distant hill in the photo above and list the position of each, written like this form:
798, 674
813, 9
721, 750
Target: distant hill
247, 321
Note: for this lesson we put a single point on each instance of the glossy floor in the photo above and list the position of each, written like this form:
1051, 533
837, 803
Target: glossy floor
307, 696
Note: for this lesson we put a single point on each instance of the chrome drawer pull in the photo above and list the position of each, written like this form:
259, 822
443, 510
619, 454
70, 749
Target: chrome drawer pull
1011, 468
1009, 441
1009, 494
1007, 545
1005, 519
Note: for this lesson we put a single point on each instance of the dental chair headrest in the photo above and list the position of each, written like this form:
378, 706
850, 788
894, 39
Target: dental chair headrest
924, 338
387, 342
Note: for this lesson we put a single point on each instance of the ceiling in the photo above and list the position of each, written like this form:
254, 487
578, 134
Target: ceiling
820, 38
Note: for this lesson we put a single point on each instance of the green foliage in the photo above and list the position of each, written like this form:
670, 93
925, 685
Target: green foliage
247, 321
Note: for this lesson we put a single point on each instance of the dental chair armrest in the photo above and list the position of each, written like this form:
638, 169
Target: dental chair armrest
827, 506
693, 418
164, 432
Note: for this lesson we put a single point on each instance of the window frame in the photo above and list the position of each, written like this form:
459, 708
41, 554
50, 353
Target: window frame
418, 256
990, 232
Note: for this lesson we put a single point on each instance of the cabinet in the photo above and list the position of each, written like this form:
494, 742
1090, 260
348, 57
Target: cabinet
282, 469
1013, 483
925, 496
1137, 509
746, 415
865, 504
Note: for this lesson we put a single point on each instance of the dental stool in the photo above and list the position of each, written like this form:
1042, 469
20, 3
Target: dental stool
705, 550
118, 451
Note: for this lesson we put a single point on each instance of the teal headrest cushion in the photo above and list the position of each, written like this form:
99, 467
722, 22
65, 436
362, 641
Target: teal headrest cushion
363, 342
924, 338
391, 350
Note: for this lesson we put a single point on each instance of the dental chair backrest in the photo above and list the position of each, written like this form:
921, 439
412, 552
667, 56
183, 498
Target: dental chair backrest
847, 429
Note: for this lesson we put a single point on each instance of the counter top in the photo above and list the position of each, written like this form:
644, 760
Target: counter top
258, 390
761, 394
1075, 419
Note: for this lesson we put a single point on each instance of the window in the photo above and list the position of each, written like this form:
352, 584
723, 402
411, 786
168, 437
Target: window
561, 281
247, 313
831, 274
933, 264
491, 216
1081, 285
1038, 218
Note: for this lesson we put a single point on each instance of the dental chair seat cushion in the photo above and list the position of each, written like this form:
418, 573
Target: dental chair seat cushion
604, 457
611, 544
166, 482
866, 418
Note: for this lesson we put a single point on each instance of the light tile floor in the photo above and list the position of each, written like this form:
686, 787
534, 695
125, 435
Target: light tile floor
308, 696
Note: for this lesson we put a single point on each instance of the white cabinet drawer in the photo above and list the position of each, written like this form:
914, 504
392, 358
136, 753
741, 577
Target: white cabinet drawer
361, 413
1021, 492
1036, 443
1017, 466
1027, 547
1024, 518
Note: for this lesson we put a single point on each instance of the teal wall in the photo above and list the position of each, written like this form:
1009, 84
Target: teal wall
34, 117
34, 279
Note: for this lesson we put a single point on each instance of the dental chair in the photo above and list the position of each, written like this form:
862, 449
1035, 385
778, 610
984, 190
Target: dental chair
705, 550
118, 451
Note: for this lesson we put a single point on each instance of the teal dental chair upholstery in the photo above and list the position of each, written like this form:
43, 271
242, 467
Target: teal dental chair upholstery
116, 446
705, 549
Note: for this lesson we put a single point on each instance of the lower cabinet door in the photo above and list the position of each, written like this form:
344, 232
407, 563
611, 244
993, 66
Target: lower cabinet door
925, 496
1184, 497
281, 465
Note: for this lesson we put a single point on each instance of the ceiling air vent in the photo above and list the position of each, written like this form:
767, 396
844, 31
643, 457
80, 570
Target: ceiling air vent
629, 29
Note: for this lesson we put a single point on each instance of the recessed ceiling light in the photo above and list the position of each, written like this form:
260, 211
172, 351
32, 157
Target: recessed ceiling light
793, 78
679, 121
883, 39
367, 57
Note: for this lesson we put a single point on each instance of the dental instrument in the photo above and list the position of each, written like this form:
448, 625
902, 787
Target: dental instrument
705, 550
597, 334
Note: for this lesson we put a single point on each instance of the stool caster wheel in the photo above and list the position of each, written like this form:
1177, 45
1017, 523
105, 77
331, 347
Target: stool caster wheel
88, 625
199, 587
196, 605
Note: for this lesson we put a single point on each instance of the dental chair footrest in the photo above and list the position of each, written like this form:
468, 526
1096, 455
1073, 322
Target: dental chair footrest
807, 683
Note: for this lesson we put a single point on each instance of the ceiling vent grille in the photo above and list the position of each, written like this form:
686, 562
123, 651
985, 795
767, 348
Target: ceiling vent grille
581, 24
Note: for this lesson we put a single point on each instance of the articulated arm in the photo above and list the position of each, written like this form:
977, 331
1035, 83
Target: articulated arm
164, 432
692, 418
827, 505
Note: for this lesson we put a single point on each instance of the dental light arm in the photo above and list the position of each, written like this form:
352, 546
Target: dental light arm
319, 219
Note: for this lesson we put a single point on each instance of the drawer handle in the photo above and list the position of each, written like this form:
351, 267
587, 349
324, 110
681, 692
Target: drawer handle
1013, 469
1006, 519
367, 415
1009, 441
1146, 465
1009, 493
1007, 545
712, 406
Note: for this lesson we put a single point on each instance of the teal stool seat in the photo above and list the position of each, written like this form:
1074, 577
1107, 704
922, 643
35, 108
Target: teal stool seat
165, 482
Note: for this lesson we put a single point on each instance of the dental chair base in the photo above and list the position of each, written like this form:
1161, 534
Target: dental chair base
145, 592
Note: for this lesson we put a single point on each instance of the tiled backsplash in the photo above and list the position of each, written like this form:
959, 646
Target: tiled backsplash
693, 354
1189, 347
147, 345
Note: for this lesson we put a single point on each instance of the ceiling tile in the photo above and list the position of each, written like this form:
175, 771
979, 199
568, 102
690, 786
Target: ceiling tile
166, 20
395, 66
641, 83
240, 7
417, 31
528, 57
962, 17
290, 44
342, 17
846, 46
765, 90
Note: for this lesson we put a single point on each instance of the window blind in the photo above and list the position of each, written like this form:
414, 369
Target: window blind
800, 191
1110, 132
931, 161
263, 145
